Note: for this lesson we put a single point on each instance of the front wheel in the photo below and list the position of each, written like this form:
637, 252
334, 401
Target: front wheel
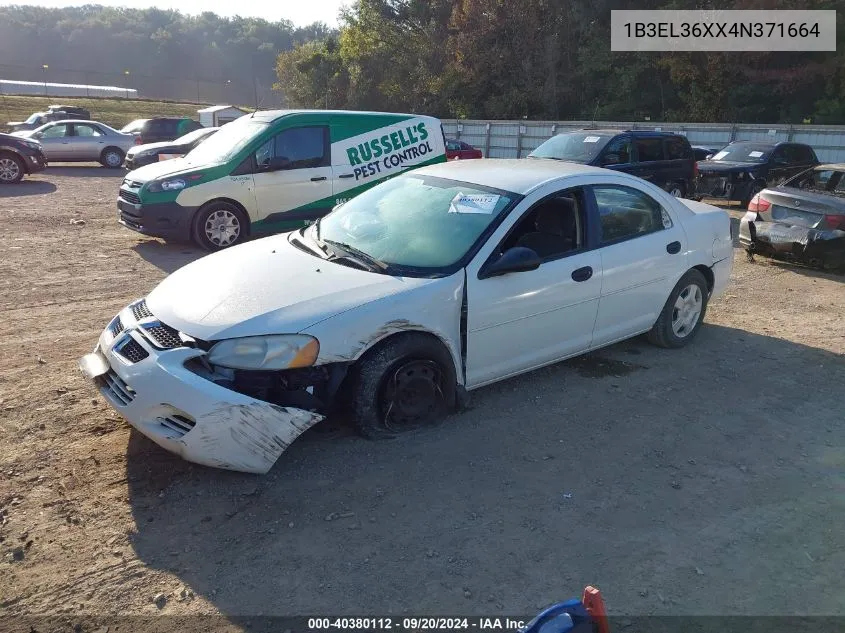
219, 225
404, 384
11, 169
677, 189
683, 312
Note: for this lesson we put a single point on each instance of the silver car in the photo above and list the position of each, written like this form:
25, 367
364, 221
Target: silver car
72, 140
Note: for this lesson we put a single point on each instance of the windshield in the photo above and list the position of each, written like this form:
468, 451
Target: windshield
576, 147
34, 118
190, 137
743, 153
415, 221
230, 139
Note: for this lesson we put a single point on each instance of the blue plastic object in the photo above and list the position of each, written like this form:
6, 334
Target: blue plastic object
566, 617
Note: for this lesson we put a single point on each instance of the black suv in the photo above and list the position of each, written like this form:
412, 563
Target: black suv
161, 128
19, 156
742, 169
662, 158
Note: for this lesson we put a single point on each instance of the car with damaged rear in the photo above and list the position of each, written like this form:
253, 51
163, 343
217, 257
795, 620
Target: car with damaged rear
801, 220
399, 302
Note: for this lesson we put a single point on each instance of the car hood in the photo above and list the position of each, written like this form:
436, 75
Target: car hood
23, 133
725, 167
139, 149
174, 167
267, 286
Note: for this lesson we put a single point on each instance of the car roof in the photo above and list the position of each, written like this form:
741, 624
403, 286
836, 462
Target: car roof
518, 175
268, 116
834, 166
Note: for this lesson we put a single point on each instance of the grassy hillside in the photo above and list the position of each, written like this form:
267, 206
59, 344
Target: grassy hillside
114, 112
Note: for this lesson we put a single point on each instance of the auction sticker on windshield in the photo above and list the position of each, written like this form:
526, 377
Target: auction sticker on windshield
474, 203
592, 139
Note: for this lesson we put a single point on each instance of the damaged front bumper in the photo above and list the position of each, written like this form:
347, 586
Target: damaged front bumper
814, 247
182, 411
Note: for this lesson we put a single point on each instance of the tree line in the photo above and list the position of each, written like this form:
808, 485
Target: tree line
96, 44
551, 60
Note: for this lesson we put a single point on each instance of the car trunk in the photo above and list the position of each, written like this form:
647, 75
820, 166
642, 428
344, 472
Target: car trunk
803, 208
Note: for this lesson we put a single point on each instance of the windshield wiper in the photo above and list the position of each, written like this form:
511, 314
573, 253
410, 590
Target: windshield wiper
358, 254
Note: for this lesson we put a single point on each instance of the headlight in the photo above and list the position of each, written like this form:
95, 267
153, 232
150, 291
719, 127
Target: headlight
173, 184
282, 351
32, 144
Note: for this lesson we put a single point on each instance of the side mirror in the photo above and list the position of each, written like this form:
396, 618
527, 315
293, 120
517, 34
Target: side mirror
610, 159
514, 260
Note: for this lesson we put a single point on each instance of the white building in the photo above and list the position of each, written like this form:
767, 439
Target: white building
215, 116
9, 87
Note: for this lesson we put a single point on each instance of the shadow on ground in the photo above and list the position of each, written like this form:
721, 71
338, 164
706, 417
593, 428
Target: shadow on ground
26, 187
84, 170
167, 256
667, 478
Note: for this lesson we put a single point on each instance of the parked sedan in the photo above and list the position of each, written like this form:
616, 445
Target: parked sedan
803, 219
431, 284
82, 141
460, 150
141, 155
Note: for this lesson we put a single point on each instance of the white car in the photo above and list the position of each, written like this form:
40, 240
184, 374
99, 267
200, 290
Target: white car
436, 282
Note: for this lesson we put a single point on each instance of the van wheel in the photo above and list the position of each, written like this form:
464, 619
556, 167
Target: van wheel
404, 384
683, 312
219, 225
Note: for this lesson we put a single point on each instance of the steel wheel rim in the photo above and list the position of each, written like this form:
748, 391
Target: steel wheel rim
687, 310
113, 159
9, 170
412, 395
222, 227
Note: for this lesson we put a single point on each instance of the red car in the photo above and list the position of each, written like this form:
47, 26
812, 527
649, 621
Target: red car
458, 149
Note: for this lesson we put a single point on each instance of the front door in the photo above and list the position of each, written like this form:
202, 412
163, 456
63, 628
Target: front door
522, 320
293, 178
643, 254
56, 141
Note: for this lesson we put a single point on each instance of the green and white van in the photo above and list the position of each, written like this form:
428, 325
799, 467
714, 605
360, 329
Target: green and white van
274, 171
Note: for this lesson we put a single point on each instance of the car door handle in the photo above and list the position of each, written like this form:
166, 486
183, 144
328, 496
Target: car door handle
318, 178
346, 176
673, 248
582, 274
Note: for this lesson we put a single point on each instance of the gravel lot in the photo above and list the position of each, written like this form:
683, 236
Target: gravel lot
669, 479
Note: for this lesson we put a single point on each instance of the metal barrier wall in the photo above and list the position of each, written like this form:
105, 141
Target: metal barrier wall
515, 139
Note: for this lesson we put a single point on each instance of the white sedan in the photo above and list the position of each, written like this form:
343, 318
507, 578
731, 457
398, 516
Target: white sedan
393, 306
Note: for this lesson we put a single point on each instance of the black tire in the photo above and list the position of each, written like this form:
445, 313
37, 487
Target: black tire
755, 189
663, 333
219, 213
12, 168
419, 368
112, 157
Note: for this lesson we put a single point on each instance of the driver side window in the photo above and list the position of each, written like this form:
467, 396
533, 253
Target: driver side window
617, 152
295, 148
552, 228
57, 131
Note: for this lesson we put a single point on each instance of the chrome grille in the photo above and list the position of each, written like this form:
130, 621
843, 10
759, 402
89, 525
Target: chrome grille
141, 311
132, 351
116, 326
115, 389
178, 425
163, 336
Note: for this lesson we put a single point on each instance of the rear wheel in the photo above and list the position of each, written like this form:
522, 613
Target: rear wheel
219, 225
112, 157
404, 384
12, 168
683, 312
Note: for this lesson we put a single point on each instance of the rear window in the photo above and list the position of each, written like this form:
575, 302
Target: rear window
819, 180
135, 126
649, 149
677, 148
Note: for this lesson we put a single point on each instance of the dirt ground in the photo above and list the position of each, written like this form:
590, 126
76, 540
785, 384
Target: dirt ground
708, 480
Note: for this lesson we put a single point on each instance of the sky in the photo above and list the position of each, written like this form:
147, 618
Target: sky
300, 12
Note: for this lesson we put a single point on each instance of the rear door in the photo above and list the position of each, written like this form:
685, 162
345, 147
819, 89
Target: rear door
87, 142
293, 177
643, 254
649, 158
